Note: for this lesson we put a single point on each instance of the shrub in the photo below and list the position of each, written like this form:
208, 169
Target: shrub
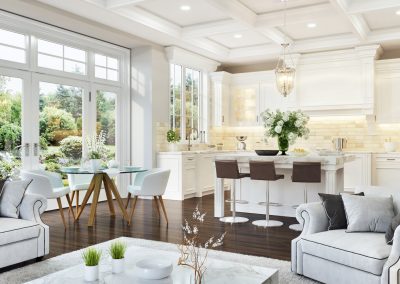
71, 147
52, 167
10, 136
43, 143
52, 157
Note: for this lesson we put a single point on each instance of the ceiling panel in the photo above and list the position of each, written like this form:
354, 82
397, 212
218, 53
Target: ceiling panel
200, 11
248, 38
334, 25
383, 19
265, 6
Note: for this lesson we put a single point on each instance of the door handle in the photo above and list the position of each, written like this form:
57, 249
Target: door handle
26, 149
35, 149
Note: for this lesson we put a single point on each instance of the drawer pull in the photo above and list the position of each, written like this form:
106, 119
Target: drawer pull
190, 159
390, 159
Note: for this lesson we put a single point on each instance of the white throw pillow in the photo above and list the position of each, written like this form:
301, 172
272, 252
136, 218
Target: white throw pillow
11, 198
368, 214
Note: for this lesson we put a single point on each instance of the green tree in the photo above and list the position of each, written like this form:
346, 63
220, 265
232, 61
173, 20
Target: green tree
10, 136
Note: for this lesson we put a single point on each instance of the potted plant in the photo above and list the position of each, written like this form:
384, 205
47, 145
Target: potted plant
117, 252
96, 150
286, 126
172, 139
91, 257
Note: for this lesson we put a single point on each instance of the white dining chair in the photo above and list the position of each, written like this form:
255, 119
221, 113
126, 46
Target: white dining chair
77, 183
149, 183
49, 185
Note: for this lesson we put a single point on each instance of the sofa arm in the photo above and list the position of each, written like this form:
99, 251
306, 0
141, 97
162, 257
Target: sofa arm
32, 207
390, 273
313, 218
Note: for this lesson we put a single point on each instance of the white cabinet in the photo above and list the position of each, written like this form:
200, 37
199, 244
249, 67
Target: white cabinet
386, 170
192, 174
245, 104
387, 90
220, 98
357, 172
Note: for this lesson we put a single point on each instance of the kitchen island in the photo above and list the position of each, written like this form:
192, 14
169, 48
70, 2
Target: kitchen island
283, 192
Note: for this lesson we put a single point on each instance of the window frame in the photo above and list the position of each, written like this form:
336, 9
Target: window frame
201, 102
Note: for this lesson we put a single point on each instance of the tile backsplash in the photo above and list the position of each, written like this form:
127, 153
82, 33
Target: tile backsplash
361, 135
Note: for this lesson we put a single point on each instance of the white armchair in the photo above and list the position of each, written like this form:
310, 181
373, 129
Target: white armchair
50, 186
149, 183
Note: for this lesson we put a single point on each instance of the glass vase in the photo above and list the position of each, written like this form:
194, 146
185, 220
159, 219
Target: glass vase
283, 144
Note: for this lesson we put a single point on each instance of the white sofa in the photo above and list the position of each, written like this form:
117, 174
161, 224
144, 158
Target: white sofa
25, 238
339, 257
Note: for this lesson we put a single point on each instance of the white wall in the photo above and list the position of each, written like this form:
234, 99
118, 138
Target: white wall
150, 102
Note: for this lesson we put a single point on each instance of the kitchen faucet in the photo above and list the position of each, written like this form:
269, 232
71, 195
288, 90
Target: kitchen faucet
188, 136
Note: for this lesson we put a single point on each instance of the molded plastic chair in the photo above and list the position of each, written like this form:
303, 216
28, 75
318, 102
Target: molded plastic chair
149, 183
77, 183
49, 185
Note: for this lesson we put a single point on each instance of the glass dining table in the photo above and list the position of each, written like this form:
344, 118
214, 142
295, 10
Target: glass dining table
102, 177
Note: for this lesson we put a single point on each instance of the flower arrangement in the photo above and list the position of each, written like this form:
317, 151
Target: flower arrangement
172, 136
287, 126
96, 146
193, 252
8, 166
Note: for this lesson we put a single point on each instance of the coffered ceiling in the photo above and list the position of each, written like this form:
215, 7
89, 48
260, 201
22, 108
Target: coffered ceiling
246, 31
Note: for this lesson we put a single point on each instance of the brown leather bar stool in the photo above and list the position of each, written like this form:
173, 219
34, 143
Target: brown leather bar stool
265, 170
305, 172
229, 169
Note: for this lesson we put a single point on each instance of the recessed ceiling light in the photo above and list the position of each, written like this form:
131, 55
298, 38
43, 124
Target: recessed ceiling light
185, 8
311, 25
237, 35
398, 12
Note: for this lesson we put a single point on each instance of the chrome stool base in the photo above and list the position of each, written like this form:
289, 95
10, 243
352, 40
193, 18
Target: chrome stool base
265, 223
296, 227
234, 219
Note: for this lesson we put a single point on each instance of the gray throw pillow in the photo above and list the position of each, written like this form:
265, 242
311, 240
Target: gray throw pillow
11, 197
368, 214
392, 228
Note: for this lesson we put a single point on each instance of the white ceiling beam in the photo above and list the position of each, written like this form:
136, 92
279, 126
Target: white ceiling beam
384, 35
358, 23
359, 7
213, 28
112, 4
275, 35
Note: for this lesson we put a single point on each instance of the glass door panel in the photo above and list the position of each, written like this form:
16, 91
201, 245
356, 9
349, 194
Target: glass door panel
106, 107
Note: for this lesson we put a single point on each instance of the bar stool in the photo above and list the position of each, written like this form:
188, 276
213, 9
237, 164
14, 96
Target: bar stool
265, 170
229, 169
305, 172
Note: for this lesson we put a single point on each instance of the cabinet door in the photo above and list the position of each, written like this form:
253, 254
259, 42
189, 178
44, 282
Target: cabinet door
386, 171
189, 175
270, 98
357, 172
387, 98
245, 105
205, 173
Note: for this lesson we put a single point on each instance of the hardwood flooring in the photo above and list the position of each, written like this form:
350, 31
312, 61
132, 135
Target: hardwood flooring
146, 224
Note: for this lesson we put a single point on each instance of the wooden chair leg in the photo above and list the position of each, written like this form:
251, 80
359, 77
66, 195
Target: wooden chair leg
163, 208
70, 205
157, 206
72, 198
133, 208
76, 201
127, 200
60, 208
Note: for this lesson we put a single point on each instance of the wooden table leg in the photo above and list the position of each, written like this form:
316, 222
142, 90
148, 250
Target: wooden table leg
117, 197
70, 205
87, 196
109, 195
93, 207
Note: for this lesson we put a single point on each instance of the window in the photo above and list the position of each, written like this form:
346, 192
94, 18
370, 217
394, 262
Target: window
60, 57
106, 67
12, 46
185, 101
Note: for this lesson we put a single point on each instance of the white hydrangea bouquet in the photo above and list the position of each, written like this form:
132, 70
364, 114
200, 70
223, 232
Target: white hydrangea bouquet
287, 126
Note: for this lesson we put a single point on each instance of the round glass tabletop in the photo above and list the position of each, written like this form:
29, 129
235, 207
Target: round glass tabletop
123, 170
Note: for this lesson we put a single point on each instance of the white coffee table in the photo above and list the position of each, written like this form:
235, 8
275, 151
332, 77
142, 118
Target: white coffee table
218, 271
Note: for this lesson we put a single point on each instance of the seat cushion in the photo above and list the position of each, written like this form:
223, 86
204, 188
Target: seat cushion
80, 186
59, 192
15, 230
365, 251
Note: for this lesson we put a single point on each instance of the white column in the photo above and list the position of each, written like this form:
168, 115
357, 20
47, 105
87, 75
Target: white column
219, 204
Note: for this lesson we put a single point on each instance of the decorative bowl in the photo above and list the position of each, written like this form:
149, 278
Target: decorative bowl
267, 152
151, 268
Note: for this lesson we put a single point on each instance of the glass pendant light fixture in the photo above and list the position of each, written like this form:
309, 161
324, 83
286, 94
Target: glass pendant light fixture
284, 73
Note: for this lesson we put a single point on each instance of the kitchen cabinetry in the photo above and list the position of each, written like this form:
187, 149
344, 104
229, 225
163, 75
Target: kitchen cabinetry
386, 170
192, 174
387, 86
220, 98
357, 172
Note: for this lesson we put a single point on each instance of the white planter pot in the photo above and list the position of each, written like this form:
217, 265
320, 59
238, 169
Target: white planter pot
118, 265
91, 273
172, 147
95, 164
390, 146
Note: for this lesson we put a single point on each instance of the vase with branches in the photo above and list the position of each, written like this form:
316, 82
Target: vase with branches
194, 250
96, 150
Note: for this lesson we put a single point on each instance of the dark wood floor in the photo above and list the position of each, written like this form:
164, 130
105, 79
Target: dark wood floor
240, 238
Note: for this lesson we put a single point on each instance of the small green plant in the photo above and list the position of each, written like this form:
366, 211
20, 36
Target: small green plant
94, 155
117, 250
91, 256
172, 137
